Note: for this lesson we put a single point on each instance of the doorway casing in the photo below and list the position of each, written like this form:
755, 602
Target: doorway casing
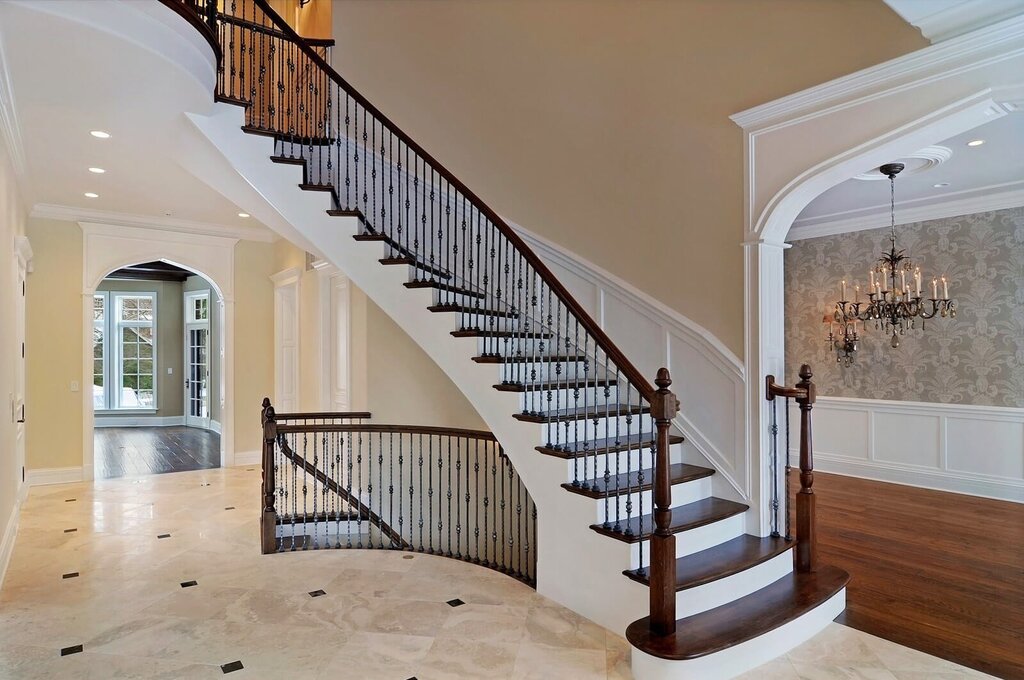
107, 247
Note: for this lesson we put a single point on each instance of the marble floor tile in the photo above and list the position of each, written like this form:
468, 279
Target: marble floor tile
383, 615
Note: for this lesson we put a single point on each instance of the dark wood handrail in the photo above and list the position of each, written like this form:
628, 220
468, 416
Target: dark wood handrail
322, 415
259, 28
633, 375
191, 14
388, 429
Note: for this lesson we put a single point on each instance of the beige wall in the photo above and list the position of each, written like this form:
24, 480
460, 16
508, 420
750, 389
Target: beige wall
55, 343
603, 125
12, 224
391, 376
170, 399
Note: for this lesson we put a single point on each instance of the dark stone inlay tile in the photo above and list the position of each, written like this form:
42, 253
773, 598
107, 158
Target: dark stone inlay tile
230, 507
408, 557
188, 584
232, 667
70, 500
163, 535
73, 574
317, 593
455, 603
205, 484
74, 649
70, 531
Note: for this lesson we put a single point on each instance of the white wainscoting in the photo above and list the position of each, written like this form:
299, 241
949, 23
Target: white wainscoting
44, 476
707, 377
976, 450
137, 421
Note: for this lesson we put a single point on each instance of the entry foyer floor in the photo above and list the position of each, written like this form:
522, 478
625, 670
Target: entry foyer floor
160, 577
125, 451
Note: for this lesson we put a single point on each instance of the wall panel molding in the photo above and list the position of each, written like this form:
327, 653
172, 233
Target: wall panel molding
977, 450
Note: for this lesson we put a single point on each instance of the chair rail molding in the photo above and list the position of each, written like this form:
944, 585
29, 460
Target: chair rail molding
924, 444
107, 247
798, 146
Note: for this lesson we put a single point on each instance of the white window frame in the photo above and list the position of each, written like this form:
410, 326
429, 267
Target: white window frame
191, 322
112, 351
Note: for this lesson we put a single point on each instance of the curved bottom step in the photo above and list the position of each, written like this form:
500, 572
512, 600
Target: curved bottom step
729, 640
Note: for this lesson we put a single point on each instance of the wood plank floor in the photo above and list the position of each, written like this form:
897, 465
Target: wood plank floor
127, 451
940, 572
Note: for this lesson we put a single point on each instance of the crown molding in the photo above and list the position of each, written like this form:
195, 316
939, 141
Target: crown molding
10, 129
991, 44
72, 214
985, 199
956, 19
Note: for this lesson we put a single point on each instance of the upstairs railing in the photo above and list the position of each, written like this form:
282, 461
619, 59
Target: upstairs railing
804, 394
331, 480
575, 380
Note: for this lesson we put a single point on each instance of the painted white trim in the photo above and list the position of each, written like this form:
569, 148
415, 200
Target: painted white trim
287, 328
214, 426
953, 19
10, 128
248, 458
188, 324
335, 298
137, 421
69, 213
8, 538
46, 476
857, 427
967, 202
952, 56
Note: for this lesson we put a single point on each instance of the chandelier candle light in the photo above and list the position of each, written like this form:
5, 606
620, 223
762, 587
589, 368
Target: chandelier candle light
894, 295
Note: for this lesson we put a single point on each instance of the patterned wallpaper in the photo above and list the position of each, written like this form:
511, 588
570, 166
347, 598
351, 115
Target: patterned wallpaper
976, 358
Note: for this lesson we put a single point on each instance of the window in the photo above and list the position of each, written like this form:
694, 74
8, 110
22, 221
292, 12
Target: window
124, 350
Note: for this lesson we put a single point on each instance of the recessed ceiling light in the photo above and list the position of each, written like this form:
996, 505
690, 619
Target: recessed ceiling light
976, 142
89, 194
940, 185
98, 171
243, 214
100, 134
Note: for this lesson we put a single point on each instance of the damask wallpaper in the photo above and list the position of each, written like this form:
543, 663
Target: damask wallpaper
976, 358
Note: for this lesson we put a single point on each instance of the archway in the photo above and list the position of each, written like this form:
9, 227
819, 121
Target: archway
108, 248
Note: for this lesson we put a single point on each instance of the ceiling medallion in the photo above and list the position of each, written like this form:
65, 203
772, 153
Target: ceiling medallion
894, 299
919, 161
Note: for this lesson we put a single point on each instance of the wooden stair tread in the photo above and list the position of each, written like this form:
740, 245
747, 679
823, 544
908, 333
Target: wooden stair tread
741, 620
383, 238
406, 260
684, 518
583, 413
564, 384
720, 561
482, 333
288, 160
463, 309
539, 359
679, 473
601, 446
447, 287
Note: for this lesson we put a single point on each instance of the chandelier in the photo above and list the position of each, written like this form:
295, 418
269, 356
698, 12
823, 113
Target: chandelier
894, 296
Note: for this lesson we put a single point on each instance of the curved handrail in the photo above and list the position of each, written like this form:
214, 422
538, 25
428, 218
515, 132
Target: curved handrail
396, 429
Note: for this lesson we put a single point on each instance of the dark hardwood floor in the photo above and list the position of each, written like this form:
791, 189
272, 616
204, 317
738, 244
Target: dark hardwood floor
127, 451
940, 572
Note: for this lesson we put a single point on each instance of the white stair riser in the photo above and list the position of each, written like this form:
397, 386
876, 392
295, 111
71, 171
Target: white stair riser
521, 346
724, 590
554, 399
623, 461
585, 429
686, 492
694, 540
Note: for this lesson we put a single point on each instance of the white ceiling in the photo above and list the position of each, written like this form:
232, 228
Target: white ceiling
979, 178
67, 78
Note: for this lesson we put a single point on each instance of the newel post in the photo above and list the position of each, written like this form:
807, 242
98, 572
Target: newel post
664, 407
268, 517
806, 536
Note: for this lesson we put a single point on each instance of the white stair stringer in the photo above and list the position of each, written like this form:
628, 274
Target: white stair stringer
577, 567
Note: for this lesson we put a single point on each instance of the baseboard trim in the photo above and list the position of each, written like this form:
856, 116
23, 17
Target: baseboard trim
44, 476
8, 538
214, 427
999, 489
247, 458
138, 421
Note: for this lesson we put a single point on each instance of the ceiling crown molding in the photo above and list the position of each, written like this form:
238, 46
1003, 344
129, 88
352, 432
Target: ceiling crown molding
73, 214
991, 44
10, 129
941, 21
969, 202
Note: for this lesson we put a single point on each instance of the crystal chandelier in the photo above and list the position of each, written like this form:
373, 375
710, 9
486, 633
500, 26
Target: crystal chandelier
894, 300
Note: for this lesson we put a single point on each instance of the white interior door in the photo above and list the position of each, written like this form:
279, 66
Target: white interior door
197, 359
286, 341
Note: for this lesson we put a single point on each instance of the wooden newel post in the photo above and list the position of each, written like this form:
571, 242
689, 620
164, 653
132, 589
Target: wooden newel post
268, 518
806, 537
664, 407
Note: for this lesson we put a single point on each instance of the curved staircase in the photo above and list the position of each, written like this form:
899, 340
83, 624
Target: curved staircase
629, 531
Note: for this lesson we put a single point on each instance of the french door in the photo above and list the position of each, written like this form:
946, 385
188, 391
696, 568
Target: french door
197, 359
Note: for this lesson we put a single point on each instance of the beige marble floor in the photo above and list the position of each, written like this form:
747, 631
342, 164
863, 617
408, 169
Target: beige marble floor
383, 615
